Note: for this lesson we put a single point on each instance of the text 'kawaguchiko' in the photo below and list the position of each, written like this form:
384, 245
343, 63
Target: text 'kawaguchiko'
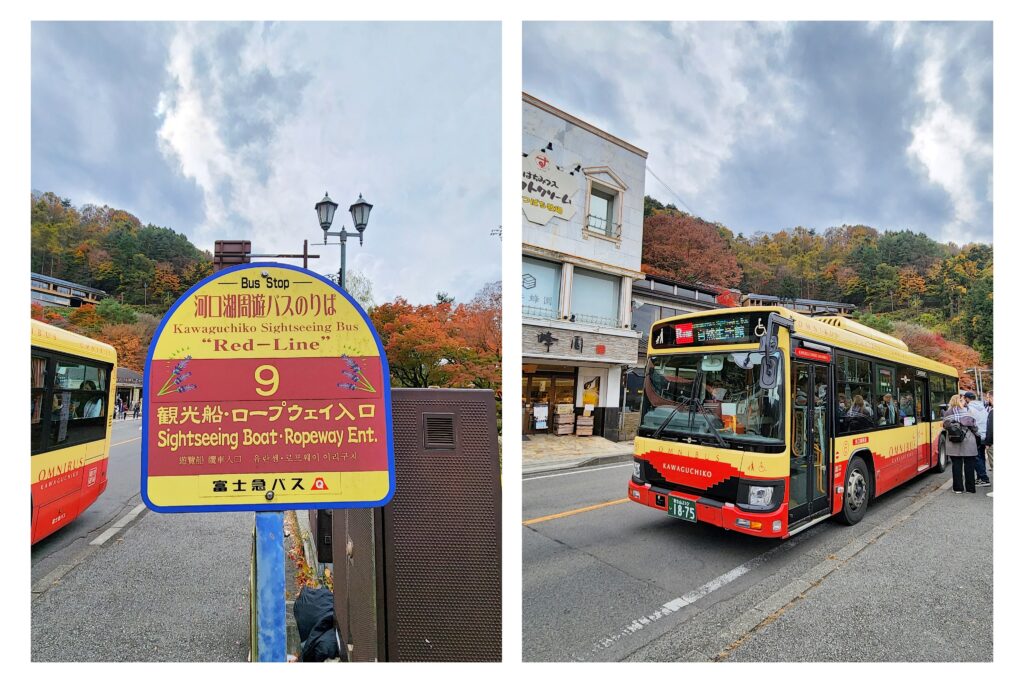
266, 388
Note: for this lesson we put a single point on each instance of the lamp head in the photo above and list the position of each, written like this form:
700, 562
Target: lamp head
360, 214
325, 209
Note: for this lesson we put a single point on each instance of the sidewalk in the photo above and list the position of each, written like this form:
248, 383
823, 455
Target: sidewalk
547, 452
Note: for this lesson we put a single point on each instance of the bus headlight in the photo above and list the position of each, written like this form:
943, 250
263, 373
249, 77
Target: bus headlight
636, 469
760, 496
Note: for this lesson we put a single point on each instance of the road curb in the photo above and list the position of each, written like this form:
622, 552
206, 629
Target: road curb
592, 461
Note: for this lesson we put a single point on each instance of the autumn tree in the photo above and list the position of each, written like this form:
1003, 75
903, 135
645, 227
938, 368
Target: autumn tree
443, 344
416, 340
688, 249
478, 325
931, 344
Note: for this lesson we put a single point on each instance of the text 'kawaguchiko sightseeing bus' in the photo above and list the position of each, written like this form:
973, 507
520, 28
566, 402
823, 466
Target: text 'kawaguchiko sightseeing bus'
765, 421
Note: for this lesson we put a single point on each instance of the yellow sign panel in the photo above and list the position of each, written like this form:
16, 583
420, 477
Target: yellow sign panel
266, 388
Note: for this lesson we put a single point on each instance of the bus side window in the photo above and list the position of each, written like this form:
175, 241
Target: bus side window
905, 389
936, 391
888, 407
38, 395
79, 403
855, 409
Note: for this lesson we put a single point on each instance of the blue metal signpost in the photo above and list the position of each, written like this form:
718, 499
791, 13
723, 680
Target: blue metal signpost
270, 589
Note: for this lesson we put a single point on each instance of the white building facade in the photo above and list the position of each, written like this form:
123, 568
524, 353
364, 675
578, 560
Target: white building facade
583, 207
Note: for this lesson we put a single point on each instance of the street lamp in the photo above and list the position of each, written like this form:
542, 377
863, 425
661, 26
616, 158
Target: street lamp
360, 211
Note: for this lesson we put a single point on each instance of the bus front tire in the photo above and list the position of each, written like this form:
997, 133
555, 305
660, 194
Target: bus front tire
856, 492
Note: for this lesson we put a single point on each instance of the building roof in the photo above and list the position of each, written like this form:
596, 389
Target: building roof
66, 283
541, 104
809, 302
129, 377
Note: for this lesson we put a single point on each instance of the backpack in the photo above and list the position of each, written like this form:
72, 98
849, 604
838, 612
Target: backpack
955, 432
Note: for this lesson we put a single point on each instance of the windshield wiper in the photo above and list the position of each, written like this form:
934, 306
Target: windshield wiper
694, 404
698, 404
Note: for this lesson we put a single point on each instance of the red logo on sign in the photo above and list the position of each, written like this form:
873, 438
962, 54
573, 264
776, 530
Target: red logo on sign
319, 485
542, 161
600, 349
684, 333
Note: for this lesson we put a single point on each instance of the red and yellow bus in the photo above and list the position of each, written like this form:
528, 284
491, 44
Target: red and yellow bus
765, 421
72, 394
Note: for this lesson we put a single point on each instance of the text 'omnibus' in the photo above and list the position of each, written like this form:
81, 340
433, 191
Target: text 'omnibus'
72, 393
765, 421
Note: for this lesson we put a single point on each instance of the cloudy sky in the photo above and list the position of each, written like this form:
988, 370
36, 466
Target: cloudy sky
765, 127
235, 131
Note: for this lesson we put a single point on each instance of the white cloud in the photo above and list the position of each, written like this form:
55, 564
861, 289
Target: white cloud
946, 143
691, 94
412, 126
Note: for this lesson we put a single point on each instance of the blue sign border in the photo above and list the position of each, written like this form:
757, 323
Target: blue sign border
269, 507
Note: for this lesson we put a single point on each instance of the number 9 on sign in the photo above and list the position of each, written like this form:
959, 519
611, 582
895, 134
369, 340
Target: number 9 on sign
267, 377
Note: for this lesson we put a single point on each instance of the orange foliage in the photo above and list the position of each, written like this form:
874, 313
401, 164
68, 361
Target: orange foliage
688, 249
86, 318
726, 298
933, 345
127, 340
47, 314
442, 344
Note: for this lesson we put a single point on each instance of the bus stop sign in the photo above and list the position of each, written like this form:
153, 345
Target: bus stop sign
266, 388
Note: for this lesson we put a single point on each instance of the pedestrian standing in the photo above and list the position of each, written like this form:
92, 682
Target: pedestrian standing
135, 410
961, 447
977, 410
117, 407
988, 434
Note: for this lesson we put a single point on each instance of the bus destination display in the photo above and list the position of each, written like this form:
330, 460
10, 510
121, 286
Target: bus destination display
732, 329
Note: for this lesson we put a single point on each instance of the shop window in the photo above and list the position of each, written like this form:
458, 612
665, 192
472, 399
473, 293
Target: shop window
595, 298
664, 287
542, 281
643, 318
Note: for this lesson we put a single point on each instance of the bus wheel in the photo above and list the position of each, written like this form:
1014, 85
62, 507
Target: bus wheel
856, 492
943, 461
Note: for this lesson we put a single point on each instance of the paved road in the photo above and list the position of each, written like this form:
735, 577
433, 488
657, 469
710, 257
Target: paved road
121, 496
164, 588
618, 581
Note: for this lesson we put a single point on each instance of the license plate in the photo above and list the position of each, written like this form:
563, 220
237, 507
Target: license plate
681, 508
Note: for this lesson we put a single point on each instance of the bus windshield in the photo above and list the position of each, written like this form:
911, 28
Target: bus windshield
697, 395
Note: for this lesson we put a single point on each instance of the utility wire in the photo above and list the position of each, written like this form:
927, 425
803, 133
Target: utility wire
671, 191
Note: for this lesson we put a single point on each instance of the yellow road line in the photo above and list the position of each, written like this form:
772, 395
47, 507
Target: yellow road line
577, 511
123, 442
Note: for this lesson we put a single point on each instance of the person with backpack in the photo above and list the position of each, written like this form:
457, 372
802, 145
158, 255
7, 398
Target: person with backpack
961, 446
976, 409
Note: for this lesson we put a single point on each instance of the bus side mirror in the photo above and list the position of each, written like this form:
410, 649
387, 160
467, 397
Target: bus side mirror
769, 375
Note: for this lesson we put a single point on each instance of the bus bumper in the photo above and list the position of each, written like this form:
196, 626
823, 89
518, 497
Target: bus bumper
725, 515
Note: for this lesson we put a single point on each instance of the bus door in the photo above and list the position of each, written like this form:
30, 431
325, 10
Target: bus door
923, 429
811, 396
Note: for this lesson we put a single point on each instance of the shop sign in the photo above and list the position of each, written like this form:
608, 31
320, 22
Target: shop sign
266, 388
548, 191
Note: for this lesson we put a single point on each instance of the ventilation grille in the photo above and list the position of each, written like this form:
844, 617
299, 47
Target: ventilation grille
439, 430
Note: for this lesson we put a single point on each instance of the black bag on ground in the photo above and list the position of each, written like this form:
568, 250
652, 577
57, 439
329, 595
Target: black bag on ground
314, 617
955, 431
